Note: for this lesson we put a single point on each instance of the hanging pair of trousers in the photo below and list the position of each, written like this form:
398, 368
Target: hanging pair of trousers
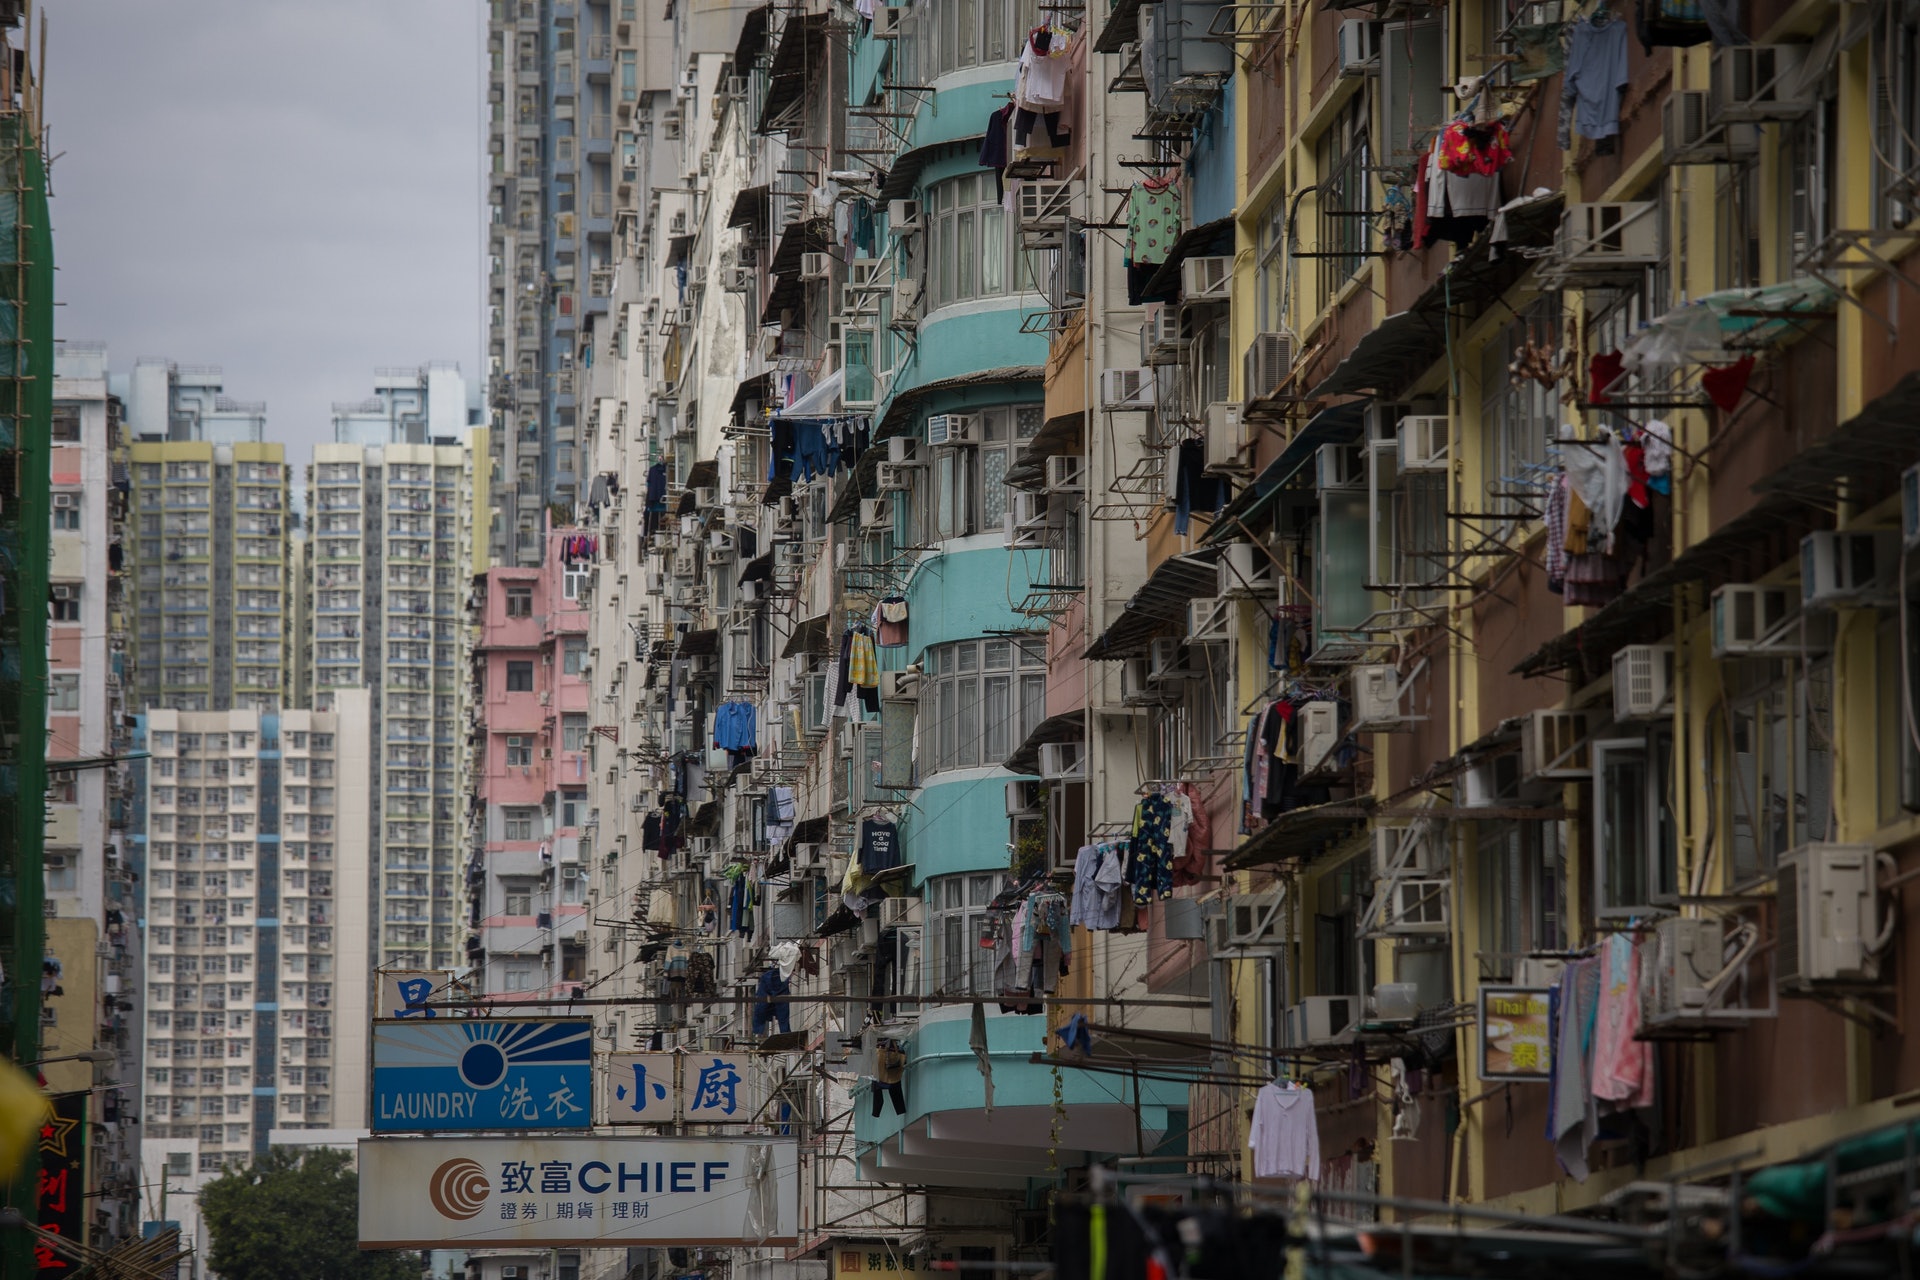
1023, 121
895, 1091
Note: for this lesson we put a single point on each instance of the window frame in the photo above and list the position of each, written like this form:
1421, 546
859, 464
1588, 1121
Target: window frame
964, 921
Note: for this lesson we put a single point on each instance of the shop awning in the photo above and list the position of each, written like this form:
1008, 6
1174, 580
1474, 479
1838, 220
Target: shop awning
1341, 424
758, 569
1861, 460
1404, 345
1068, 726
1159, 607
678, 247
1302, 834
1209, 239
758, 387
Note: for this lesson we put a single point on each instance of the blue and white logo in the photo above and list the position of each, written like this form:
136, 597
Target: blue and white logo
469, 1073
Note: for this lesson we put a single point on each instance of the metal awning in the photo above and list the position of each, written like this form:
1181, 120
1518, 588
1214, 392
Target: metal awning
1209, 239
903, 409
812, 235
753, 39
809, 636
705, 820
752, 205
1058, 435
1068, 726
758, 569
1300, 835
1393, 355
1123, 27
703, 474
907, 166
787, 75
758, 387
1341, 424
1159, 607
1861, 460
678, 247
698, 644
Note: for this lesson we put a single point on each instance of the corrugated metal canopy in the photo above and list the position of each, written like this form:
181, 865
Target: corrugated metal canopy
698, 644
1058, 435
1159, 607
1123, 27
787, 76
753, 204
1302, 834
1068, 726
907, 166
1209, 239
1341, 424
809, 636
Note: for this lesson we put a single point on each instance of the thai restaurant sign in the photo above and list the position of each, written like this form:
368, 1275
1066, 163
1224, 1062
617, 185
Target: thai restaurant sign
1515, 1034
568, 1192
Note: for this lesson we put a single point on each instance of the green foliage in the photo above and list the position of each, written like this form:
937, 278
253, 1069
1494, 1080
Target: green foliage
294, 1214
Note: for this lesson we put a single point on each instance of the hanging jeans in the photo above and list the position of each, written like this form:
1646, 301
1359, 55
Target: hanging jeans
896, 1091
1023, 127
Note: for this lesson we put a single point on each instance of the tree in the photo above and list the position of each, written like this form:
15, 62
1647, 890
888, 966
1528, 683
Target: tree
294, 1214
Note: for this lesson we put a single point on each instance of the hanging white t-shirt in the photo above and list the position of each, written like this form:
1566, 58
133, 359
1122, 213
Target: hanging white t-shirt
1285, 1138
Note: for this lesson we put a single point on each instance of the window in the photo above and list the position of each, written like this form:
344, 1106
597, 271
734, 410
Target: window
969, 253
573, 732
1895, 55
519, 751
66, 511
573, 579
64, 604
573, 655
1737, 210
516, 974
1517, 418
520, 601
66, 425
1271, 271
1812, 163
520, 677
1343, 162
957, 912
982, 697
1636, 860
63, 691
519, 897
1778, 761
973, 32
1523, 895
1413, 59
518, 822
969, 483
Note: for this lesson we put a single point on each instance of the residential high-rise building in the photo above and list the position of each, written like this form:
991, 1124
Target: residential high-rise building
209, 561
530, 735
257, 934
408, 406
389, 554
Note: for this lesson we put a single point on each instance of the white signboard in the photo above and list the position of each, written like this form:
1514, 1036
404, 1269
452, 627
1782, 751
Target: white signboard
718, 1088
551, 1192
643, 1088
405, 993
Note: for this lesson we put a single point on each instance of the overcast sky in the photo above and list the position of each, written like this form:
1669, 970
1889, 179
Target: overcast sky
289, 189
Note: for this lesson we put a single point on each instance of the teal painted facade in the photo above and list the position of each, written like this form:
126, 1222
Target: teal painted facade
957, 826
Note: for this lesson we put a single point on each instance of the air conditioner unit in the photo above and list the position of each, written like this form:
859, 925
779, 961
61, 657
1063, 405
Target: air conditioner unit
1688, 137
1165, 660
1066, 473
1910, 508
1553, 745
1023, 798
1754, 620
895, 912
1424, 442
1359, 52
1688, 955
907, 295
1209, 620
901, 451
1829, 926
1250, 921
816, 266
1127, 388
1342, 466
858, 300
685, 564
1319, 734
1403, 851
1043, 205
1376, 696
1164, 336
1226, 441
1608, 237
1756, 82
1243, 570
947, 429
677, 225
899, 686
1642, 681
891, 477
1063, 761
1137, 687
1205, 279
1318, 1020
1415, 908
903, 216
510, 1273
876, 513
1266, 364
1839, 567
887, 21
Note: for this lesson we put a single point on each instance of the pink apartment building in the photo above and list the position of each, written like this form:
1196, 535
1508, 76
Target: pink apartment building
530, 734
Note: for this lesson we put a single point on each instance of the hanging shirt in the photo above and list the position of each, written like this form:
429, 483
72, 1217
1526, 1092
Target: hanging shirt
1153, 222
1596, 80
1041, 82
879, 845
1285, 1138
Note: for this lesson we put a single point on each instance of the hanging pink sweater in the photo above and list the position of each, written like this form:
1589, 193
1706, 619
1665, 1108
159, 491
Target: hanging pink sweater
1622, 1066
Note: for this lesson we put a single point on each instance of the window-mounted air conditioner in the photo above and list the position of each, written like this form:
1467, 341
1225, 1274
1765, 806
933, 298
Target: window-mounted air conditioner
1166, 660
1376, 696
1610, 236
1688, 137
1165, 337
902, 451
876, 513
1066, 473
1319, 734
891, 477
1757, 82
1226, 439
899, 686
903, 216
816, 266
1063, 761
1137, 685
1687, 957
1243, 570
1209, 620
1839, 567
947, 429
1252, 920
887, 21
896, 912
1424, 442
1554, 746
1756, 620
1342, 466
1830, 930
1317, 1020
1642, 681
1266, 364
1205, 279
1358, 51
907, 295
1403, 851
1127, 388
1415, 908
1023, 798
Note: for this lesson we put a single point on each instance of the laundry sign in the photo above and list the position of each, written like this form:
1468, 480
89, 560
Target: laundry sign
1515, 1034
